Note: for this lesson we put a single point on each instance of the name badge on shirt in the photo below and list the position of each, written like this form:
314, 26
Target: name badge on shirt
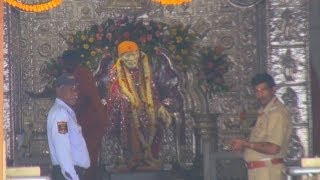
62, 127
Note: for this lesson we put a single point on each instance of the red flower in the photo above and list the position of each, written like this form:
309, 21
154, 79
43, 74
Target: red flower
99, 36
112, 28
210, 65
149, 37
107, 55
100, 29
109, 36
98, 50
158, 34
157, 50
143, 39
126, 35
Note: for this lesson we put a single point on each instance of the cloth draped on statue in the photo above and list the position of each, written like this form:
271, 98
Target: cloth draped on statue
91, 115
132, 108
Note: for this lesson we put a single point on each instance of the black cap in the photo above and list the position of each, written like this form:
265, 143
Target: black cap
66, 79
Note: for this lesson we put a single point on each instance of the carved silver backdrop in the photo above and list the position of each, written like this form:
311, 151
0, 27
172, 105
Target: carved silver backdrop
257, 35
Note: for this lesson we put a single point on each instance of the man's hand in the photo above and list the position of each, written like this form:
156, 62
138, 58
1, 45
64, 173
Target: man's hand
165, 116
238, 144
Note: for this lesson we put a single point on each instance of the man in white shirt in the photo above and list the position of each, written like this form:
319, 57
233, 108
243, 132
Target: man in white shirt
68, 150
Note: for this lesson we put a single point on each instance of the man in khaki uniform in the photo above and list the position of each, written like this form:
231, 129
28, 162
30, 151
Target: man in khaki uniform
269, 139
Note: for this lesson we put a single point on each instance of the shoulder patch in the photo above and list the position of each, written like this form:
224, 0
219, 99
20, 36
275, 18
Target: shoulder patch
62, 127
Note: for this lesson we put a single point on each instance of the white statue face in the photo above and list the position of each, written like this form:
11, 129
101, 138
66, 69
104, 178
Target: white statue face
130, 59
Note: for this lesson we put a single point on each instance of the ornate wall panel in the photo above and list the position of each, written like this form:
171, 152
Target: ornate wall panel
12, 102
288, 61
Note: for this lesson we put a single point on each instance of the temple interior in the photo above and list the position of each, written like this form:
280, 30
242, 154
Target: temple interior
198, 58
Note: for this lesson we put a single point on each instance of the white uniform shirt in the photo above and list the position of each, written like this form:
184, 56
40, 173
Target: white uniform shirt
66, 143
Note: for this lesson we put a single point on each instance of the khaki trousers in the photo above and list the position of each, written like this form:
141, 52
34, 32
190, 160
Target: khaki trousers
271, 172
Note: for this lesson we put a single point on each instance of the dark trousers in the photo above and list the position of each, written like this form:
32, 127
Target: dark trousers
57, 174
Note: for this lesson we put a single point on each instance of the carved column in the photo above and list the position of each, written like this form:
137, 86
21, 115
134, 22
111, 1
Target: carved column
205, 130
2, 139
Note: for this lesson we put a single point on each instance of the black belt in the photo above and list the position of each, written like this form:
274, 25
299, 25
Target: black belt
57, 175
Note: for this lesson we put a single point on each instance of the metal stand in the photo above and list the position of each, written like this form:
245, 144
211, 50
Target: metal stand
298, 171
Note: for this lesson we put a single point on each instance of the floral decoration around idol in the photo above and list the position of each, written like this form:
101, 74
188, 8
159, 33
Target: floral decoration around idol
99, 44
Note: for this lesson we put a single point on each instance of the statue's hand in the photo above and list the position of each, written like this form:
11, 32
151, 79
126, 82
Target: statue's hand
165, 116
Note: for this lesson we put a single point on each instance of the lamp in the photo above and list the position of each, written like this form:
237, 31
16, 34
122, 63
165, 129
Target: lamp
171, 2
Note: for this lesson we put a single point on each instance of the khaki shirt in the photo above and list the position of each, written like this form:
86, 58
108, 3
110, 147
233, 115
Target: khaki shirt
273, 125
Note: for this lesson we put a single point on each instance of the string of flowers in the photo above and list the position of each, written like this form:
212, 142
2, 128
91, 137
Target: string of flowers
100, 41
34, 7
172, 2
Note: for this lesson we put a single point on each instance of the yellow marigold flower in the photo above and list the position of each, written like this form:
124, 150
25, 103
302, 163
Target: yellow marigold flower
205, 51
173, 32
178, 57
83, 37
91, 39
179, 39
93, 53
86, 46
172, 47
71, 40
184, 51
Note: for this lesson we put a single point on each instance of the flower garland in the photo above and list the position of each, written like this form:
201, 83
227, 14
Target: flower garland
34, 7
128, 88
171, 2
100, 41
213, 65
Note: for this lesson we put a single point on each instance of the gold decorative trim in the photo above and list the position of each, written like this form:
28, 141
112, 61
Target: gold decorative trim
2, 133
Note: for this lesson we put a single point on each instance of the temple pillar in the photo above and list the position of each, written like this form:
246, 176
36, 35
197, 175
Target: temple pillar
206, 138
2, 135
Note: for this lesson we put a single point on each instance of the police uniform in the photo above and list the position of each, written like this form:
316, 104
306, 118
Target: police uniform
274, 126
68, 149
